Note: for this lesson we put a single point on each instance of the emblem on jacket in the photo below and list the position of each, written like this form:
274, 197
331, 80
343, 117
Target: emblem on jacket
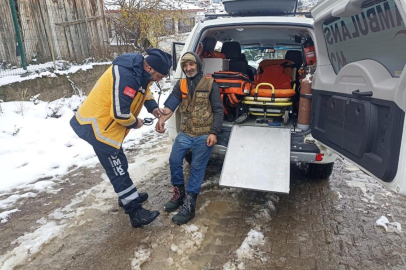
128, 91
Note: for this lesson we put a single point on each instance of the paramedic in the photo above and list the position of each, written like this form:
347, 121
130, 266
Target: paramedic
110, 112
201, 113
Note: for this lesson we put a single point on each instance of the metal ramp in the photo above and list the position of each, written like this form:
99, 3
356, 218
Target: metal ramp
257, 158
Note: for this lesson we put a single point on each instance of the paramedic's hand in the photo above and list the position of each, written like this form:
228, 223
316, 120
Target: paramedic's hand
156, 113
211, 140
160, 126
140, 123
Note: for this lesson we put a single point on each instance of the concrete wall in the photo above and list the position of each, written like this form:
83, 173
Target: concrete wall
53, 88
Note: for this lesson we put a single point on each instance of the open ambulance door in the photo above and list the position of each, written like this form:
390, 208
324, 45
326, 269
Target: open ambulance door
177, 48
359, 88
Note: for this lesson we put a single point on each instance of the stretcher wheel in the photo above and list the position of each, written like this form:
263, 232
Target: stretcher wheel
285, 117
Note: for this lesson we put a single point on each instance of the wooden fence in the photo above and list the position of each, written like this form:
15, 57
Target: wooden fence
71, 30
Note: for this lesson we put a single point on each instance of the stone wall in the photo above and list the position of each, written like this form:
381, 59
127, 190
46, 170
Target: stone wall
52, 88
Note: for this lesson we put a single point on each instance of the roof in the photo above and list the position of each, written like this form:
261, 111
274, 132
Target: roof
259, 20
256, 7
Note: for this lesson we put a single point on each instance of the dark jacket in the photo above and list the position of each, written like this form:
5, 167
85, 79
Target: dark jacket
175, 97
112, 107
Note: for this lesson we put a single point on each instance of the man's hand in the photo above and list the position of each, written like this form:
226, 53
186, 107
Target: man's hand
156, 113
160, 126
211, 140
166, 113
140, 123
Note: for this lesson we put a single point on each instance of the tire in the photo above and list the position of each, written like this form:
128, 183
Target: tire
188, 157
320, 171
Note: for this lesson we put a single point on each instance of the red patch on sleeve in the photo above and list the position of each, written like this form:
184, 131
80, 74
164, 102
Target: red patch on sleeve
128, 91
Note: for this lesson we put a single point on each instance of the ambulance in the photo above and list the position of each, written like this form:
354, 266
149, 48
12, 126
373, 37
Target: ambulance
301, 88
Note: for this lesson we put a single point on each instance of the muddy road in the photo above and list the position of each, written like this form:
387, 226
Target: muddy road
319, 225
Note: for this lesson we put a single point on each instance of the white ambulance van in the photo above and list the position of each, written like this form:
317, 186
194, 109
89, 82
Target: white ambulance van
346, 93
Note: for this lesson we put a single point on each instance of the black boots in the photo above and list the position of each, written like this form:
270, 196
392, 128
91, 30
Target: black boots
141, 217
138, 215
177, 198
142, 197
188, 203
188, 210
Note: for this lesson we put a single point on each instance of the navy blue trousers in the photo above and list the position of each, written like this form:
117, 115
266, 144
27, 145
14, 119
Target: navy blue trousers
116, 168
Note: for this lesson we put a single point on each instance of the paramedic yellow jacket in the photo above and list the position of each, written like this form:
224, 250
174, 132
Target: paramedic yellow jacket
112, 107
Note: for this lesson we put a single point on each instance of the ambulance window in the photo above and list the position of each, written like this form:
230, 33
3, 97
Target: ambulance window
377, 33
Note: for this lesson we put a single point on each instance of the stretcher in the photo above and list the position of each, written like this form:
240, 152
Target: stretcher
268, 106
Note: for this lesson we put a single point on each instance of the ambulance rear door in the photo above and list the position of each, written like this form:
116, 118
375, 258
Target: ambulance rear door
359, 87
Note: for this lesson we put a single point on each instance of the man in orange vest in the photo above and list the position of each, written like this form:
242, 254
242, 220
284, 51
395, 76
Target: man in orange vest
111, 111
201, 110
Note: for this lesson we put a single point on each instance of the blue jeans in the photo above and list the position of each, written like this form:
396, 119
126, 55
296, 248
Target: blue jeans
200, 156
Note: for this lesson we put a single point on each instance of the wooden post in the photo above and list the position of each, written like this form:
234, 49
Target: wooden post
18, 34
48, 33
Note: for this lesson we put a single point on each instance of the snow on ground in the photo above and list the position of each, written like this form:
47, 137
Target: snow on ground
230, 266
188, 243
248, 250
52, 226
44, 73
194, 237
248, 247
140, 257
56, 222
35, 146
5, 215
388, 226
29, 244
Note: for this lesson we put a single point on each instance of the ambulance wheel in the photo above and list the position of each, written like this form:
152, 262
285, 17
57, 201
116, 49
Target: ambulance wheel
320, 171
188, 157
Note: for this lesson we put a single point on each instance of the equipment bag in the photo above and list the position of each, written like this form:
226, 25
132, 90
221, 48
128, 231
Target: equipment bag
231, 82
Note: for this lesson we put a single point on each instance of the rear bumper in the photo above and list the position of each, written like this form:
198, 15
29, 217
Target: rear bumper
219, 151
303, 149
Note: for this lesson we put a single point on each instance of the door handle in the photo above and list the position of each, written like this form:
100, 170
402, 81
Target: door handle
362, 94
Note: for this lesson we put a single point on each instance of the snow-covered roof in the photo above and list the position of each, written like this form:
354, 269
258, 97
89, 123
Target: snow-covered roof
170, 5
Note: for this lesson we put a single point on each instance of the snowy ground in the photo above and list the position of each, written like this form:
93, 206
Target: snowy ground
319, 225
34, 144
38, 71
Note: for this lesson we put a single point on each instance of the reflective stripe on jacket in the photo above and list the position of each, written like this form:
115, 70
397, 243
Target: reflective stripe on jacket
112, 107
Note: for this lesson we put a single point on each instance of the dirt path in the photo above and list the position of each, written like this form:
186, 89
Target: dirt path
320, 225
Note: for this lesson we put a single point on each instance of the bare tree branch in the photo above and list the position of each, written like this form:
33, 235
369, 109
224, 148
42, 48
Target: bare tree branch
143, 22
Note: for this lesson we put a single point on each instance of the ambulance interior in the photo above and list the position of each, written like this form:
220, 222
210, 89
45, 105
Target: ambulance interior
259, 70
